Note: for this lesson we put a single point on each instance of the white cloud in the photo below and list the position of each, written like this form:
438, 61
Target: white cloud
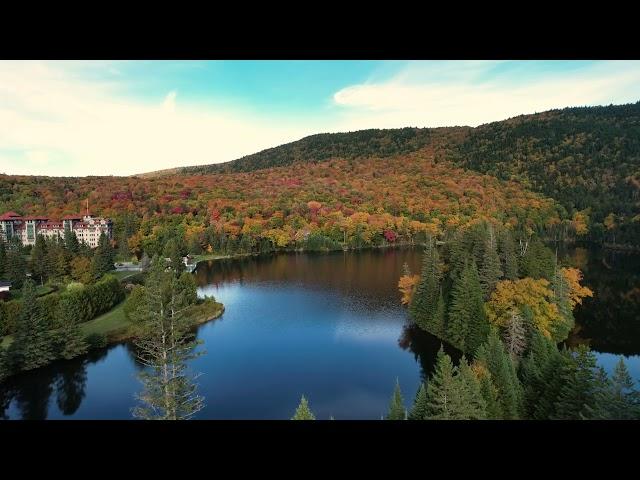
459, 93
55, 122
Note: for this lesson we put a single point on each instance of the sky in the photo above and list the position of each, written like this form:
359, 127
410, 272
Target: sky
76, 118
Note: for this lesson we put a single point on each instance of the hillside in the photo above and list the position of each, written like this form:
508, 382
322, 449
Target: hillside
586, 158
325, 146
340, 202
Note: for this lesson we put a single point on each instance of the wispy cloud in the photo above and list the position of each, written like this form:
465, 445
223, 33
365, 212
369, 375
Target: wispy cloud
473, 92
80, 118
48, 108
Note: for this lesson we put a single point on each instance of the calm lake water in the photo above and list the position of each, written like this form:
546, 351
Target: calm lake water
329, 326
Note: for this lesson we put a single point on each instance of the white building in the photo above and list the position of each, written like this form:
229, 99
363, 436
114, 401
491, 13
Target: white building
86, 227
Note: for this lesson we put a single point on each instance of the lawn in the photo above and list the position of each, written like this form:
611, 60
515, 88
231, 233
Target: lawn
108, 322
123, 274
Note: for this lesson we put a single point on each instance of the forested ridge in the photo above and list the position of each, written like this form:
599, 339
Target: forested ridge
586, 158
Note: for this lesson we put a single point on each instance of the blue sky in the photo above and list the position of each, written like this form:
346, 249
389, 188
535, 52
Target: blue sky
125, 117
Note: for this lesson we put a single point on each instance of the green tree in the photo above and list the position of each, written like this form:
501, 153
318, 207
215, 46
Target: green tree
16, 265
303, 412
624, 403
579, 399
452, 395
468, 326
3, 258
69, 340
71, 241
493, 356
419, 409
424, 307
172, 251
164, 347
103, 257
38, 264
396, 407
490, 271
32, 343
508, 257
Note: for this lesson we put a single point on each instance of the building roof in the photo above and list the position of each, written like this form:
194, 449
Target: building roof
36, 217
10, 216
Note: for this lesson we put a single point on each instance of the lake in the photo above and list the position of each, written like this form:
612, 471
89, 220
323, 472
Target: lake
329, 326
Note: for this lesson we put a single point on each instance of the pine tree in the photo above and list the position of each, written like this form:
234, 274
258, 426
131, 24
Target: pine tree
424, 306
16, 265
419, 409
468, 326
490, 271
488, 391
103, 257
164, 346
396, 407
495, 359
624, 399
441, 389
38, 267
303, 412
71, 241
32, 344
578, 399
69, 340
508, 257
172, 252
3, 258
472, 402
515, 336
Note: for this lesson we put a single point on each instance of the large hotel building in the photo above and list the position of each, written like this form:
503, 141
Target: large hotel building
86, 227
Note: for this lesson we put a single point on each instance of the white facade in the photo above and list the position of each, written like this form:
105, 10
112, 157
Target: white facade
87, 228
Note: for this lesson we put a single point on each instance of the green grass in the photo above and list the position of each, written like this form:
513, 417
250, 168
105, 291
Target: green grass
123, 275
108, 322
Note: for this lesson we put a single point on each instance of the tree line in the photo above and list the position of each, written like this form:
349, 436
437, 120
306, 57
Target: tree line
546, 384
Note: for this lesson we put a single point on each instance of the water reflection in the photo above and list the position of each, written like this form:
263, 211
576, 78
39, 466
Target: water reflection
327, 325
610, 321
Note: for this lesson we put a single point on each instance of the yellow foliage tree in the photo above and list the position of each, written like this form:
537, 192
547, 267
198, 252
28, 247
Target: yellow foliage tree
514, 295
576, 291
407, 286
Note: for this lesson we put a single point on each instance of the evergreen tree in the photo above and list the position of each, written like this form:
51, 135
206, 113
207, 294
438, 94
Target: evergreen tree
489, 392
303, 412
441, 389
624, 403
508, 257
472, 399
514, 335
71, 241
453, 394
419, 409
490, 271
396, 407
164, 346
578, 399
495, 359
38, 266
424, 307
103, 257
32, 343
69, 340
16, 265
172, 252
468, 326
4, 371
3, 258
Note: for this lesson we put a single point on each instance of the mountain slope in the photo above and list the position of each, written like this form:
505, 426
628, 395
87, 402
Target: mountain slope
586, 158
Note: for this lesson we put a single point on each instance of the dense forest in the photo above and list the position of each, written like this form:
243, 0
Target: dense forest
587, 158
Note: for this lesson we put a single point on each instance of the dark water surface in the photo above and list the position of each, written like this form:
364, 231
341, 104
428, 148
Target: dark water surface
329, 326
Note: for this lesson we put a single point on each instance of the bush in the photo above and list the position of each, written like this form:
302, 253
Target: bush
96, 340
135, 301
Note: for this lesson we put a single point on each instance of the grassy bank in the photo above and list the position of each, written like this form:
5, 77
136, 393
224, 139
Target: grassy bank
116, 328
